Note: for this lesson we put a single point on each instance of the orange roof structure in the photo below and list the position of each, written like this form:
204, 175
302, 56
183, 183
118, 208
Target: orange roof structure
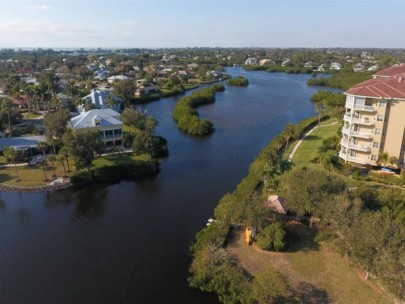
395, 70
277, 203
380, 88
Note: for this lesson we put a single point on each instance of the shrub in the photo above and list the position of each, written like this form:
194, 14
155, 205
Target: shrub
272, 237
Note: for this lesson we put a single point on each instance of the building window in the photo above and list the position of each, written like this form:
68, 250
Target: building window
374, 157
382, 103
97, 123
376, 144
377, 131
380, 117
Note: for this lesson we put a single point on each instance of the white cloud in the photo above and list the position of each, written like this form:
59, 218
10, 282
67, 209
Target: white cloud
40, 7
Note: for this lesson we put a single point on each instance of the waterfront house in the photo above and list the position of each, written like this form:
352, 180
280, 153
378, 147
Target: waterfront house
251, 61
145, 89
374, 120
107, 121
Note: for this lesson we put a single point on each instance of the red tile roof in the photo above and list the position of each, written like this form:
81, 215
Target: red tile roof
380, 88
395, 70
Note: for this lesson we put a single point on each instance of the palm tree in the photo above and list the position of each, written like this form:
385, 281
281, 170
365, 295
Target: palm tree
61, 160
10, 153
52, 159
288, 133
64, 152
384, 157
42, 146
6, 105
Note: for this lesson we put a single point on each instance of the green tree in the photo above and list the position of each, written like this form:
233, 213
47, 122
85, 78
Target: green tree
270, 286
124, 89
82, 146
10, 153
56, 125
272, 237
139, 120
6, 106
289, 133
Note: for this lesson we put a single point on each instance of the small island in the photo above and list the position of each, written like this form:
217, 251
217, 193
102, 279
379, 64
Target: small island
239, 81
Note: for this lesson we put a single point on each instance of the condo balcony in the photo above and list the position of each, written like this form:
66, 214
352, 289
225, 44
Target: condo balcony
365, 135
363, 148
357, 160
360, 121
360, 107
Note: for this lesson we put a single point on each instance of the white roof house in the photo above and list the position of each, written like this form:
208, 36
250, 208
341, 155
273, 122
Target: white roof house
251, 61
100, 99
115, 78
107, 121
335, 66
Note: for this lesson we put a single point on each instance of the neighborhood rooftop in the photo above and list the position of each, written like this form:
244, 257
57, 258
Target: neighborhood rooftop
106, 117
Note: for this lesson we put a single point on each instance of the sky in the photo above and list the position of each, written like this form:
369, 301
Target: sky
202, 23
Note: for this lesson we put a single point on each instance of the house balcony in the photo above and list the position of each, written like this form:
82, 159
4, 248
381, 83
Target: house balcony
351, 146
364, 121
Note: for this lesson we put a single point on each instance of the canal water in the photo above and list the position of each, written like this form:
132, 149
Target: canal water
129, 242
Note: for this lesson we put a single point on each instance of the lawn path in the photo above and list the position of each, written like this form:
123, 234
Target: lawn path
291, 156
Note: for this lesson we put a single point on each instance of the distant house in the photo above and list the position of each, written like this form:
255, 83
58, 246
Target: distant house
277, 203
251, 61
101, 75
192, 66
285, 62
358, 67
116, 78
335, 66
373, 68
107, 121
320, 68
266, 62
21, 102
146, 89
102, 99
308, 64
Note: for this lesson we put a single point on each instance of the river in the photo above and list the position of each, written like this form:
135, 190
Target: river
128, 242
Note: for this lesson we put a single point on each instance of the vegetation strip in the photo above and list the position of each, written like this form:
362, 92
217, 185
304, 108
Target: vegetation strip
187, 118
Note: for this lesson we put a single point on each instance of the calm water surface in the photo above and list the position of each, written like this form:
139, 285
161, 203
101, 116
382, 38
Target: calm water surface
128, 242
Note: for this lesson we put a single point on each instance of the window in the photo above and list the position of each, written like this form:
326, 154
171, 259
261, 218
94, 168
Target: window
97, 123
380, 117
382, 103
374, 157
376, 144
377, 131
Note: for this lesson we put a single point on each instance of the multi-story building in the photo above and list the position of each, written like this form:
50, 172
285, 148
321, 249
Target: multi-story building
107, 121
374, 120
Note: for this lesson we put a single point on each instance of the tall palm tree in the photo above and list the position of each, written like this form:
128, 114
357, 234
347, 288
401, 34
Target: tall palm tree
289, 132
6, 105
10, 153
52, 159
64, 152
384, 158
42, 146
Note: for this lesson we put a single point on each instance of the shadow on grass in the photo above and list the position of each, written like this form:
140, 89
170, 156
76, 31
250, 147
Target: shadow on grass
313, 137
4, 177
308, 294
301, 237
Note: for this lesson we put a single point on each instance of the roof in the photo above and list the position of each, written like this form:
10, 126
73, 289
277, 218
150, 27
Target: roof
21, 143
380, 88
277, 203
100, 97
395, 70
107, 118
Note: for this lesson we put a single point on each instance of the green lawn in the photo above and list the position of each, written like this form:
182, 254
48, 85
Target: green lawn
308, 150
31, 176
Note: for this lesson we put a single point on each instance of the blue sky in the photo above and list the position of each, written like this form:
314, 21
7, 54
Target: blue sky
189, 23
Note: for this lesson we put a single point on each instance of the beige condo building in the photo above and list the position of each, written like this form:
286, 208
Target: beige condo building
374, 120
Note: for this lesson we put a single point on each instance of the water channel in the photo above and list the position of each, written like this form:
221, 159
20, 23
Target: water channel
128, 242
